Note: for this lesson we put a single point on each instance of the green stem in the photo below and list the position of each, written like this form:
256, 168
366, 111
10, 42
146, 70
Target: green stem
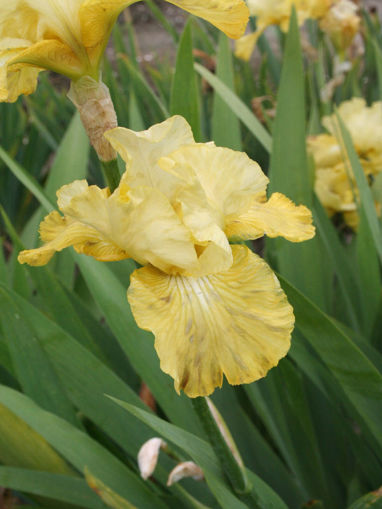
235, 472
111, 173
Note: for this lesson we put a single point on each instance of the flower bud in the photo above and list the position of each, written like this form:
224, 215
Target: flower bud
185, 469
148, 456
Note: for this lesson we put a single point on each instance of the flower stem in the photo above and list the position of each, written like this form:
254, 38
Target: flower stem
233, 469
111, 173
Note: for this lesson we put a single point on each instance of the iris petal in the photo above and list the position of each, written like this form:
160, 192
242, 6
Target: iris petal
237, 323
276, 217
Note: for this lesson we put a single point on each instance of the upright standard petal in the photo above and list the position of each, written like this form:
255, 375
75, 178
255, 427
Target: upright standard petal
142, 150
237, 323
277, 217
230, 179
230, 16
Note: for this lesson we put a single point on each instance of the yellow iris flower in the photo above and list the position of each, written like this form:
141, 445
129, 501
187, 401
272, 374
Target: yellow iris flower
277, 12
341, 23
337, 190
214, 308
70, 36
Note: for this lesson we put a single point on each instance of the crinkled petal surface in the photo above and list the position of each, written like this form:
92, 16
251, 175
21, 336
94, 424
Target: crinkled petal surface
142, 150
140, 225
237, 323
60, 232
230, 16
230, 179
278, 216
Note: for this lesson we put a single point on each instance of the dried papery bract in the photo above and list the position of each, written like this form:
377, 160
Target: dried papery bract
225, 432
93, 101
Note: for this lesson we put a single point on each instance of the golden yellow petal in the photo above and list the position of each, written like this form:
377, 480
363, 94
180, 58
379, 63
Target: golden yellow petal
276, 217
245, 46
97, 18
68, 234
15, 80
53, 55
230, 16
142, 150
237, 323
229, 178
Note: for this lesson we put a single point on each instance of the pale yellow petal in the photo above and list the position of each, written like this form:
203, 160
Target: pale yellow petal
364, 124
69, 191
141, 223
276, 217
229, 179
237, 323
142, 150
152, 232
334, 189
230, 16
206, 226
325, 150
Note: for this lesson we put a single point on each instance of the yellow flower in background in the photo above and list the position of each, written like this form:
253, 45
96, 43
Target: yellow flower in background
341, 23
277, 12
215, 309
336, 189
70, 36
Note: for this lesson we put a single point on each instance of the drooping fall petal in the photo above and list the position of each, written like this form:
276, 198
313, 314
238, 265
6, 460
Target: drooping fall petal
245, 46
276, 217
237, 323
22, 79
230, 16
